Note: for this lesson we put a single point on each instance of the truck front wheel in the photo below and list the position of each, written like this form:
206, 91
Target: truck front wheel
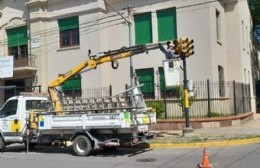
2, 144
82, 145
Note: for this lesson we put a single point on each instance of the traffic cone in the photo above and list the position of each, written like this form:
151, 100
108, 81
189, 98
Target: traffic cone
205, 161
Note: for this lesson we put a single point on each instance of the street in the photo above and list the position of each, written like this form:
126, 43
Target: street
219, 157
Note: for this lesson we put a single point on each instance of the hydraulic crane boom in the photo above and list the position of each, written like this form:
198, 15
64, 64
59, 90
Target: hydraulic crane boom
92, 63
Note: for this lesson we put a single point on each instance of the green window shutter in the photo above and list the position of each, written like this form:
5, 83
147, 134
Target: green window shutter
72, 84
143, 28
162, 78
146, 77
69, 23
167, 28
17, 36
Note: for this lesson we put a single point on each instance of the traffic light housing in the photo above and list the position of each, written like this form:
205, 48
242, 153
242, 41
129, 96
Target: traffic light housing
190, 48
184, 46
180, 45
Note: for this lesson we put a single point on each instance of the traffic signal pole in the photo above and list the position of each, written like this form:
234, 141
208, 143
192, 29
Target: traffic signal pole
187, 131
184, 48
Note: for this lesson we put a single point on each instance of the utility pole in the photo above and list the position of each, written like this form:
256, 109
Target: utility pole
29, 34
129, 24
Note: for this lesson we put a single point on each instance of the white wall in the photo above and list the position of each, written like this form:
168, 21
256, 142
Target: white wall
196, 19
218, 46
192, 22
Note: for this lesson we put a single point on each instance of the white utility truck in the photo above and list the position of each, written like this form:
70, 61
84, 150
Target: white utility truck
90, 123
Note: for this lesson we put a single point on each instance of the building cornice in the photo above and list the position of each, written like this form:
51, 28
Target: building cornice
36, 3
49, 16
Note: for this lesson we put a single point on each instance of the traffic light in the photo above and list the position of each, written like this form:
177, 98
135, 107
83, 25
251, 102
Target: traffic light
181, 45
177, 48
190, 48
184, 46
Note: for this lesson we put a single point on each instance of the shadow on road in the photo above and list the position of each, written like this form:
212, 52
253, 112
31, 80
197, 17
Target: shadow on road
130, 152
121, 151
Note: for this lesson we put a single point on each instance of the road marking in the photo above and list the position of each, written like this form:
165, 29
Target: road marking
208, 144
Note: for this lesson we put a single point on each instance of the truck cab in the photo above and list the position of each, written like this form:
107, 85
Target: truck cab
13, 117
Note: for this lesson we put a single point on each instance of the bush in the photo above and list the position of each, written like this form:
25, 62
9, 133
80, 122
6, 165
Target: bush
216, 114
157, 106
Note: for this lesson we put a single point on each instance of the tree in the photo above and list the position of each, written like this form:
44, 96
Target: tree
254, 6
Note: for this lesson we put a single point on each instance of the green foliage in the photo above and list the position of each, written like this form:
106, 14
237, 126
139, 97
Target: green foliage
178, 91
215, 114
157, 106
254, 6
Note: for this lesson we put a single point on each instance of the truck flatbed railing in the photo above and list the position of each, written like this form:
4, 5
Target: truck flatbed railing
129, 100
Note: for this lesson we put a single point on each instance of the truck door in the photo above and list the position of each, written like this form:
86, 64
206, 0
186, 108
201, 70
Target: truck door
10, 120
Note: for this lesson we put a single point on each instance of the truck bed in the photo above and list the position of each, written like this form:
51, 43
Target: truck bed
95, 121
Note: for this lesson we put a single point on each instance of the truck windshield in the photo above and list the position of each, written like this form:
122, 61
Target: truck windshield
35, 105
9, 108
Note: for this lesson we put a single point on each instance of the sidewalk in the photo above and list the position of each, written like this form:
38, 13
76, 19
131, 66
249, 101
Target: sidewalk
240, 134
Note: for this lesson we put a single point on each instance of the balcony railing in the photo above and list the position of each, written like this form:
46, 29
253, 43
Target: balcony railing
28, 61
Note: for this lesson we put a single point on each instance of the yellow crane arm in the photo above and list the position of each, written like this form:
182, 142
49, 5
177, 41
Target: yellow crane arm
92, 63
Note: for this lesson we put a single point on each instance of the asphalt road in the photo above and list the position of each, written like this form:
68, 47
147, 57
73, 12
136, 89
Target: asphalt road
56, 157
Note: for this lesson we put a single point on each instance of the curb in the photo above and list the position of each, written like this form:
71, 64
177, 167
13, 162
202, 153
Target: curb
208, 144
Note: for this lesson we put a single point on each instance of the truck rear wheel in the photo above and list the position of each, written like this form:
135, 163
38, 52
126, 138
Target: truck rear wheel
82, 145
2, 144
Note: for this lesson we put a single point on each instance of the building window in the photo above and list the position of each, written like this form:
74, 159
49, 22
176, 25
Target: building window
167, 28
221, 81
17, 45
249, 77
218, 26
69, 32
247, 41
143, 28
245, 75
146, 77
243, 35
18, 51
72, 87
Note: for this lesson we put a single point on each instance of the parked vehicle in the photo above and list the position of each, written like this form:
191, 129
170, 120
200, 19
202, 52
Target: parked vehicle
105, 122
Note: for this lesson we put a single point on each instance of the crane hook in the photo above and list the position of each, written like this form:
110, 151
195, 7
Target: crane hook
114, 64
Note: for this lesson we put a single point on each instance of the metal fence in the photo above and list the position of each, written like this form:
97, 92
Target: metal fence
208, 99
